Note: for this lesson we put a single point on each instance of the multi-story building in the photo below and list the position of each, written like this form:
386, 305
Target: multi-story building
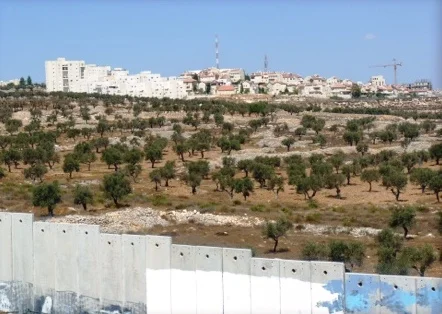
62, 74
76, 76
377, 80
421, 85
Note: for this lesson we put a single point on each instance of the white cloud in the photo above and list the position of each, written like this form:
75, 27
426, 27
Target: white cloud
369, 36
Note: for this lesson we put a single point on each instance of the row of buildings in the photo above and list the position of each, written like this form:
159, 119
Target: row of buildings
77, 76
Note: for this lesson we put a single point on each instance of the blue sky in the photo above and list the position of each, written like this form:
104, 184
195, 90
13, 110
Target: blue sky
341, 38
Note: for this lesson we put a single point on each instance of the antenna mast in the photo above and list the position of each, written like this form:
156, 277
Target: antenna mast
216, 52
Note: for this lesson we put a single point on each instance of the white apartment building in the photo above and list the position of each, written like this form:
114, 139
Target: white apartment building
62, 74
377, 80
78, 77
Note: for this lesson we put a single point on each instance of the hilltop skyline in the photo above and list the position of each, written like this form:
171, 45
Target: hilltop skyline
169, 38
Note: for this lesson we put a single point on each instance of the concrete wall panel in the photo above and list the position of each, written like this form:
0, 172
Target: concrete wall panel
209, 280
183, 279
265, 288
22, 261
398, 294
362, 293
236, 280
66, 268
158, 274
6, 247
134, 267
22, 247
327, 283
429, 295
295, 287
44, 266
88, 276
111, 271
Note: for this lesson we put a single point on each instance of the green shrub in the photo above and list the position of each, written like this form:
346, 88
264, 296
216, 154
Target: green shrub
314, 252
313, 218
258, 208
160, 200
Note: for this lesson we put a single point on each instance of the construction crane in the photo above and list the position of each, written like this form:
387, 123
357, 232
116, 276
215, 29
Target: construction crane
394, 65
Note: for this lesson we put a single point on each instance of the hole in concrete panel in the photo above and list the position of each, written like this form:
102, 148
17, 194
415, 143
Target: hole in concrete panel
235, 258
131, 243
263, 268
0, 220
207, 255
181, 254
42, 230
293, 270
64, 231
86, 232
109, 242
395, 286
360, 283
325, 272
157, 245
21, 220
433, 289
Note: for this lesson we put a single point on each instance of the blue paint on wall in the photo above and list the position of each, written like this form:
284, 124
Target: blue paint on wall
360, 298
337, 305
397, 300
430, 297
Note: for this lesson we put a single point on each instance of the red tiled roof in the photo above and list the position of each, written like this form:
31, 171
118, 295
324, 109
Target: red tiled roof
226, 88
189, 80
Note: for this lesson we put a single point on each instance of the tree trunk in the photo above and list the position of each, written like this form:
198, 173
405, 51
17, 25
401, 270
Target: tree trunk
167, 182
70, 175
288, 148
182, 157
370, 186
84, 206
202, 154
116, 167
156, 186
247, 173
115, 201
338, 192
51, 211
437, 196
193, 189
89, 167
276, 244
348, 180
423, 189
153, 163
405, 231
9, 167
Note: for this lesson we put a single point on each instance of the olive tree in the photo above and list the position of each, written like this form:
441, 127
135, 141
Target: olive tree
275, 230
436, 152
422, 177
71, 164
116, 186
403, 217
369, 176
47, 195
82, 196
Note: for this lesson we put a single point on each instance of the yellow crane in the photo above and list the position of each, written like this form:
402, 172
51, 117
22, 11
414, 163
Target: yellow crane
394, 65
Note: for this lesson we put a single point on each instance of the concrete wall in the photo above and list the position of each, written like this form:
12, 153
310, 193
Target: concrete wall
63, 268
